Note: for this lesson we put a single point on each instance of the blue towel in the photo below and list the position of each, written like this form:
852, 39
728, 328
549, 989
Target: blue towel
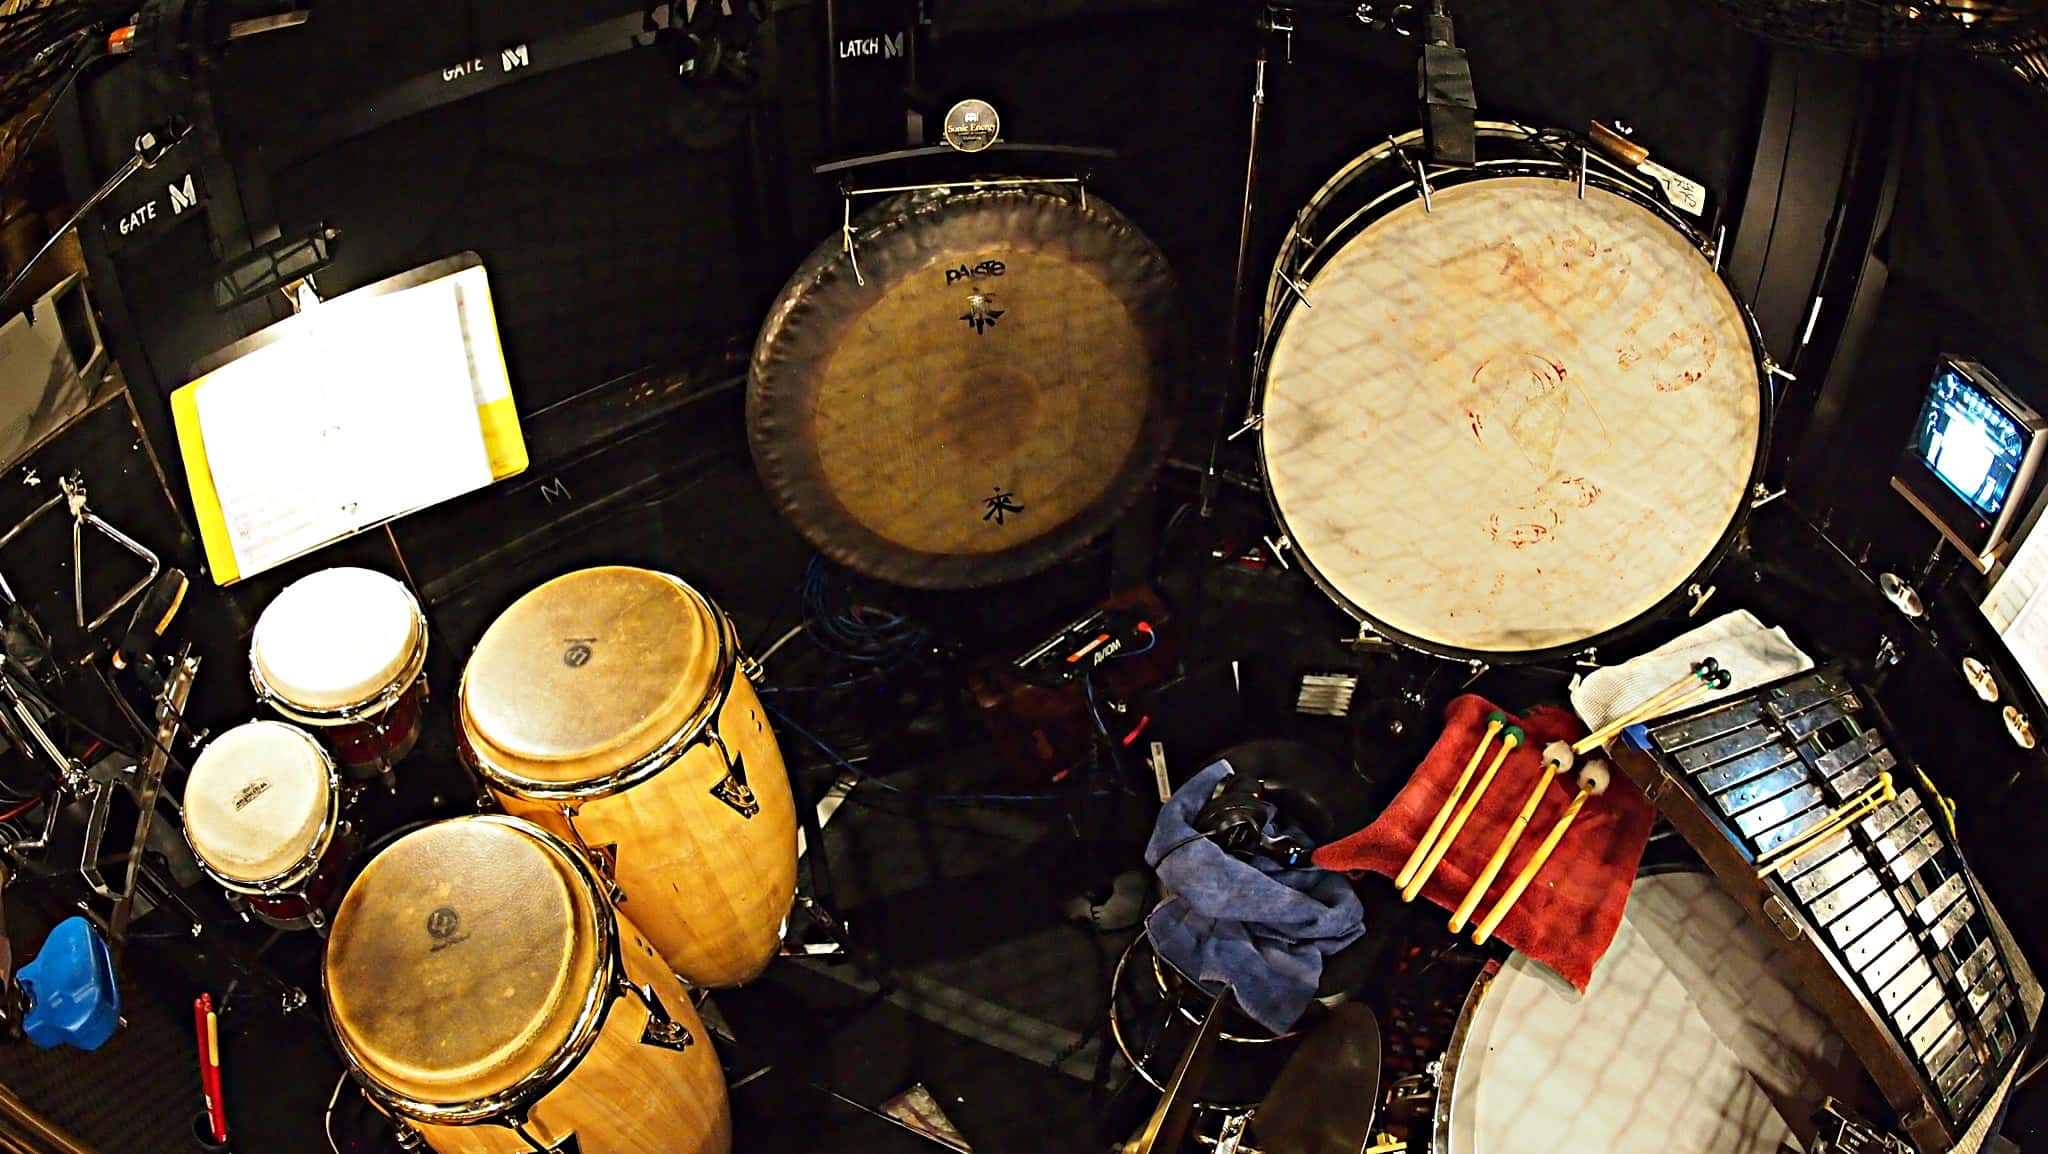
1257, 926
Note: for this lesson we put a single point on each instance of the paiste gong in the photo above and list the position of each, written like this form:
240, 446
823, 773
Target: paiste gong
975, 387
1513, 416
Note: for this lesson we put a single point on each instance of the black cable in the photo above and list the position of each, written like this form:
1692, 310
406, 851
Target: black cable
1182, 844
27, 142
36, 697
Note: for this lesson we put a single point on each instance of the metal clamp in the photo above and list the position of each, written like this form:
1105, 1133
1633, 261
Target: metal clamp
605, 860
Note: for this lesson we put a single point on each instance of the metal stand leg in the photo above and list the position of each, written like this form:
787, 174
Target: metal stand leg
816, 899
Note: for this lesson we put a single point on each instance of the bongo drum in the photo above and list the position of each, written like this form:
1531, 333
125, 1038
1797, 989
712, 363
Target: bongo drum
608, 706
263, 818
481, 988
969, 384
1690, 1038
344, 651
1511, 414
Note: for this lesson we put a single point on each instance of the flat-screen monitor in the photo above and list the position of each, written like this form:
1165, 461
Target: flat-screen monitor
1970, 462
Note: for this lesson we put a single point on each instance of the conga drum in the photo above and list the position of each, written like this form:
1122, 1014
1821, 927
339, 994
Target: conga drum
1510, 414
609, 706
263, 818
483, 989
344, 651
969, 384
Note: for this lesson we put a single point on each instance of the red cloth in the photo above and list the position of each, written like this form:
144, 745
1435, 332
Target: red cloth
1567, 917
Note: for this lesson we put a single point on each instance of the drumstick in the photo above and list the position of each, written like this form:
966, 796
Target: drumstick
1593, 780
1551, 768
1509, 739
1495, 722
1849, 814
1707, 674
1880, 791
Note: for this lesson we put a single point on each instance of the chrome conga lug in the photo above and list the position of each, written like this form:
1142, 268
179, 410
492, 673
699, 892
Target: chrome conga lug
1590, 659
732, 789
661, 1030
1255, 421
1759, 496
408, 1137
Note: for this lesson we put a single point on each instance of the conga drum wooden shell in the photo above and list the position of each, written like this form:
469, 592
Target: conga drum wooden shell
530, 1023
624, 1097
615, 694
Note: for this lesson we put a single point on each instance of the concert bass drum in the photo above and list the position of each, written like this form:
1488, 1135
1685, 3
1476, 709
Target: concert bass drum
968, 385
1690, 1039
1509, 414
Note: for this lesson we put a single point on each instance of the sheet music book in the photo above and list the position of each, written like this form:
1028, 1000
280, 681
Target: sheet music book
358, 410
2018, 607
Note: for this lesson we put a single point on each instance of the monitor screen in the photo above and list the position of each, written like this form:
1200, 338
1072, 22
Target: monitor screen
1969, 441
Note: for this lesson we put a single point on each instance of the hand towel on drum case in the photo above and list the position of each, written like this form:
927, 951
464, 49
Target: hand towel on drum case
1568, 916
1257, 926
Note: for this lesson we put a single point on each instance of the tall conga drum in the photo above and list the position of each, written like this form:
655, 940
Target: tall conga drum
608, 706
344, 651
483, 989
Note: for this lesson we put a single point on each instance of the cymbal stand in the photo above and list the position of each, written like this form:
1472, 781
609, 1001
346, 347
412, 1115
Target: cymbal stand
1274, 18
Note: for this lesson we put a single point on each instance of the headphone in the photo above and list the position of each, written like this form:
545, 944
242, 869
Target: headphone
1235, 817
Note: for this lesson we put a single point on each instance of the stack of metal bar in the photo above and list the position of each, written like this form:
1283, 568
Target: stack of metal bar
1909, 960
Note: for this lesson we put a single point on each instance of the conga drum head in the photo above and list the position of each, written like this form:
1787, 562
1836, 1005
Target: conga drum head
337, 638
982, 386
1512, 422
590, 674
259, 803
463, 960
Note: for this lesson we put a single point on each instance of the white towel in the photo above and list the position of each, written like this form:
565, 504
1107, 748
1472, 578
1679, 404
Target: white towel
1750, 651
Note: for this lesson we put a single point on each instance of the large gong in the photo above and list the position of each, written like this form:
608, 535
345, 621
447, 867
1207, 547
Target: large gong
1510, 421
976, 389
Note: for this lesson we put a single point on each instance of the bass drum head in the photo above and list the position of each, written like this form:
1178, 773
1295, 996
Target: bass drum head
986, 393
1686, 1041
1514, 422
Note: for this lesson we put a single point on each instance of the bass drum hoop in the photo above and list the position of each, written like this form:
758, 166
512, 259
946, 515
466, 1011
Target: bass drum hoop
886, 234
1281, 302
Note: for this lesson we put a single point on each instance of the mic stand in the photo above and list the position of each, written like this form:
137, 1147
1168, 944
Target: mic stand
1274, 19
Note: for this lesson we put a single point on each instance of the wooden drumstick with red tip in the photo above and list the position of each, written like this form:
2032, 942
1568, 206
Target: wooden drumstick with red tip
1495, 722
1593, 781
1509, 739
